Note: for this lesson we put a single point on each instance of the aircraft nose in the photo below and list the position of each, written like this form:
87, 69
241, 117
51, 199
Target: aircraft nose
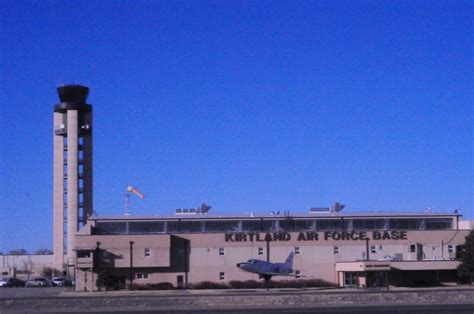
238, 264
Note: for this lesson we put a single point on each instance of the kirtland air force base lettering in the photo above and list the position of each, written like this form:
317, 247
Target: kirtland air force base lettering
317, 236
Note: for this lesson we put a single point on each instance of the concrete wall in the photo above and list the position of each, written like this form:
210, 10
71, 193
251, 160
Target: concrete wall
19, 263
197, 256
466, 224
58, 192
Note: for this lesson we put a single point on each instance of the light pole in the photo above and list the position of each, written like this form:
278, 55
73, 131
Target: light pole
131, 264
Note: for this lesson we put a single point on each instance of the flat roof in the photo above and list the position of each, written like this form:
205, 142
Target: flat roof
399, 265
425, 265
334, 215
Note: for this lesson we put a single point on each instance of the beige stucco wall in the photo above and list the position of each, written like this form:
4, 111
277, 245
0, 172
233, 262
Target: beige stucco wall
316, 259
119, 247
466, 224
58, 194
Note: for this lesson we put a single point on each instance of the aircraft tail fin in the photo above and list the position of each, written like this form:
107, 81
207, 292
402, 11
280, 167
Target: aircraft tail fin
289, 260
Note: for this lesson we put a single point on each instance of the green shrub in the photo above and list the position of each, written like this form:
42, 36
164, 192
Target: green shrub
161, 286
152, 286
237, 284
208, 285
300, 283
108, 280
248, 284
136, 286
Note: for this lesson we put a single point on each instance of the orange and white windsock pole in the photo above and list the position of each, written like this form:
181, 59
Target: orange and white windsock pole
131, 189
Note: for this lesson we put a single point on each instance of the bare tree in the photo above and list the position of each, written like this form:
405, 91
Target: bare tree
466, 268
28, 267
47, 272
18, 252
44, 252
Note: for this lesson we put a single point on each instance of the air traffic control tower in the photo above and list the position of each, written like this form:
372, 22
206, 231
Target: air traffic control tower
72, 171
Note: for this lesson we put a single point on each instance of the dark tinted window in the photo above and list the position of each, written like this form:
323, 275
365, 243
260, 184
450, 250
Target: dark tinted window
144, 227
191, 226
368, 224
328, 224
290, 225
438, 223
221, 225
111, 228
406, 223
184, 226
252, 225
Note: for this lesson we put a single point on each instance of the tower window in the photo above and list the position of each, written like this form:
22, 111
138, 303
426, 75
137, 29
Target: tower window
297, 250
336, 250
221, 251
147, 252
373, 249
450, 248
260, 251
412, 248
221, 275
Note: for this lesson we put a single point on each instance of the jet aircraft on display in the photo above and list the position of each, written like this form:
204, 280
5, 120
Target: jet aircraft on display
267, 270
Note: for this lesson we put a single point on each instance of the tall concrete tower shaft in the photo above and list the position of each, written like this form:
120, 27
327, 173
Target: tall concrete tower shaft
72, 170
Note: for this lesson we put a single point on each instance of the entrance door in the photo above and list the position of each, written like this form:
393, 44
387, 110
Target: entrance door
351, 279
180, 281
376, 279
419, 252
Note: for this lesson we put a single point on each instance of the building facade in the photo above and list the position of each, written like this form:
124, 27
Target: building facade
345, 249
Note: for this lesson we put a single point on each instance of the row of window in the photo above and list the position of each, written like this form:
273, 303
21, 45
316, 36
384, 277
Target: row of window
350, 278
144, 276
336, 249
413, 248
262, 225
373, 249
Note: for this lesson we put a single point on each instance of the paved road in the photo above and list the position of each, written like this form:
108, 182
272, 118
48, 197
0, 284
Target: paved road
452, 300
390, 309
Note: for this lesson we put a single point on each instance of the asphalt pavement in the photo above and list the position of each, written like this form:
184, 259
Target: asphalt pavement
46, 300
37, 292
343, 309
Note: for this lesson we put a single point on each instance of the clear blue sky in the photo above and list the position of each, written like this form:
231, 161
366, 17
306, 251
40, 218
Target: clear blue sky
245, 105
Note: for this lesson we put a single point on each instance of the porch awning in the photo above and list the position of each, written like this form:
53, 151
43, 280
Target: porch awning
363, 266
425, 265
84, 248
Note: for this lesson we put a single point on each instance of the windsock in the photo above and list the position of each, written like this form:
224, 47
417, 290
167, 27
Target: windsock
133, 190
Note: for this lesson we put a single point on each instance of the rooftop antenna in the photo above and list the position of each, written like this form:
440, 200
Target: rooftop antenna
131, 189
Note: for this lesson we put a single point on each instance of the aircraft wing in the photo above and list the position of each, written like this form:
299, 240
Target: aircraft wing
277, 274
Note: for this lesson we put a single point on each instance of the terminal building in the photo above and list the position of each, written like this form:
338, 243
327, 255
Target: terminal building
347, 249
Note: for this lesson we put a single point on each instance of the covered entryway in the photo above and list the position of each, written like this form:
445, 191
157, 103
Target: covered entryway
423, 273
363, 274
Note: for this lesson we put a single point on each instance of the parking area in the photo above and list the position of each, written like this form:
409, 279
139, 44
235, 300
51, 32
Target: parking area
33, 292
